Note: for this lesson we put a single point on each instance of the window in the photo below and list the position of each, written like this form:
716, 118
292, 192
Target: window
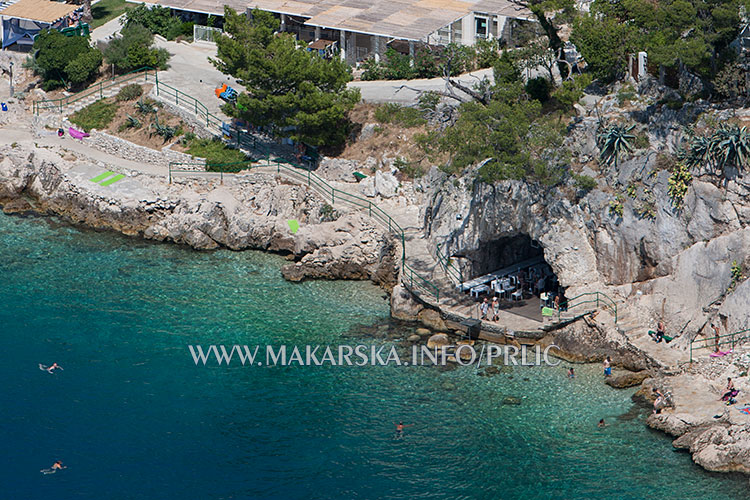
480, 27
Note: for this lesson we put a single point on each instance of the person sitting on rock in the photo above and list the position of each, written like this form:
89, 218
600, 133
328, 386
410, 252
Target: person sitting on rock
657, 402
731, 390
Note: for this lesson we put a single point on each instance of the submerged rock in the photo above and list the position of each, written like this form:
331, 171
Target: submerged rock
511, 401
438, 340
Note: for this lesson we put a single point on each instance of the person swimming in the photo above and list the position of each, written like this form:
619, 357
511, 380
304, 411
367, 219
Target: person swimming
571, 373
400, 430
58, 465
602, 424
54, 367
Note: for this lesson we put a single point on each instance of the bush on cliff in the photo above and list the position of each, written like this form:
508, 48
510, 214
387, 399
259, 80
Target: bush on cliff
134, 49
64, 61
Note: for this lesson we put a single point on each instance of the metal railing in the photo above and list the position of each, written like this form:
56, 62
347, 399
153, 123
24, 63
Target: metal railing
598, 300
448, 268
205, 33
410, 277
99, 88
730, 339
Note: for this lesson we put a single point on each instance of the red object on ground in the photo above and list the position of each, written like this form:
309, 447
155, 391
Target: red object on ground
221, 89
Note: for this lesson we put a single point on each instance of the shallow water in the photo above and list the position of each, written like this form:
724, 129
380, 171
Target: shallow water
133, 417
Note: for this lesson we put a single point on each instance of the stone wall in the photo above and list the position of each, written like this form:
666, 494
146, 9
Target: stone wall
125, 149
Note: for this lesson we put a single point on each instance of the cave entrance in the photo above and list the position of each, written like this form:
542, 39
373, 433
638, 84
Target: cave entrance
514, 270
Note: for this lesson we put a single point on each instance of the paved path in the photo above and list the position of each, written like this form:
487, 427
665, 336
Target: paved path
395, 91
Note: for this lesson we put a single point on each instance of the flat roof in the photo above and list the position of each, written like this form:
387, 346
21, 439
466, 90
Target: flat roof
403, 19
39, 10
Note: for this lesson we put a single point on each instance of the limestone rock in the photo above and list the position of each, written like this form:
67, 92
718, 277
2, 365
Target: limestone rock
403, 305
413, 338
431, 319
629, 379
438, 340
386, 184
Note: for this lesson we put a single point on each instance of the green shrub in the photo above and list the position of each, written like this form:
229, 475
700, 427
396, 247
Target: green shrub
372, 70
486, 53
616, 206
134, 50
327, 213
159, 20
399, 115
679, 182
65, 61
737, 275
216, 152
539, 88
409, 169
97, 115
129, 92
584, 183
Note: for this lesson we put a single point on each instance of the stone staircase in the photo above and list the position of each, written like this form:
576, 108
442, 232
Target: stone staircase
635, 329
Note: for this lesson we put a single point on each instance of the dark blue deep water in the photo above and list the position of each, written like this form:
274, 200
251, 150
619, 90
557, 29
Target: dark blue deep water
133, 417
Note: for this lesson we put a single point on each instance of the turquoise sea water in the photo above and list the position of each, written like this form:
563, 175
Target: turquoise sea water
133, 417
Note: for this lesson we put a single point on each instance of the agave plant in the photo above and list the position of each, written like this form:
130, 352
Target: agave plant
132, 122
697, 153
730, 147
165, 131
613, 141
144, 107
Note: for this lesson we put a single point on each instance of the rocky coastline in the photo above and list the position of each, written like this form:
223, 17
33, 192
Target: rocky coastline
246, 213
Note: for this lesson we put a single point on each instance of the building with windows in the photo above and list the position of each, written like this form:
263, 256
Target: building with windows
362, 29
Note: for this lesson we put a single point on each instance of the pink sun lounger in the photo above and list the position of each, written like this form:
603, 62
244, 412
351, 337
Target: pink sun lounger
720, 353
77, 134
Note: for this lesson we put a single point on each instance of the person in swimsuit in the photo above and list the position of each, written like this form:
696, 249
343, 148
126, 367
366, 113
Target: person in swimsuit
484, 308
400, 429
602, 424
54, 367
58, 466
659, 398
571, 373
731, 390
607, 367
495, 309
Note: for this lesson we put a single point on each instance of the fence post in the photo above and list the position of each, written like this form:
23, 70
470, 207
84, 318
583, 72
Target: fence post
333, 196
597, 300
101, 91
156, 79
369, 206
176, 97
308, 178
170, 173
196, 106
221, 177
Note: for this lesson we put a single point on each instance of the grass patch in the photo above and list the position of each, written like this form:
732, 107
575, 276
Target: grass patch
129, 93
106, 10
217, 154
399, 115
97, 115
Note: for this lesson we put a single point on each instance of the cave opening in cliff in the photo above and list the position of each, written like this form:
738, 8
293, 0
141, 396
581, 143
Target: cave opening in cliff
514, 268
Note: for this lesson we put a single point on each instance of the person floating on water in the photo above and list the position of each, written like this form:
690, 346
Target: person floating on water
571, 373
54, 367
400, 429
602, 424
58, 465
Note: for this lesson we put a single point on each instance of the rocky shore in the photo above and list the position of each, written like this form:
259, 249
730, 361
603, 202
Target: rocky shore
250, 212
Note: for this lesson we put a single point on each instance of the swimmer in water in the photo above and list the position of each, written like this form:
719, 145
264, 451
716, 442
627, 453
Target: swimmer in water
58, 466
602, 424
400, 429
571, 373
54, 366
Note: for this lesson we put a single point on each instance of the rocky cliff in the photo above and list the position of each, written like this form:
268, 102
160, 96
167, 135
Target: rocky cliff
249, 212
